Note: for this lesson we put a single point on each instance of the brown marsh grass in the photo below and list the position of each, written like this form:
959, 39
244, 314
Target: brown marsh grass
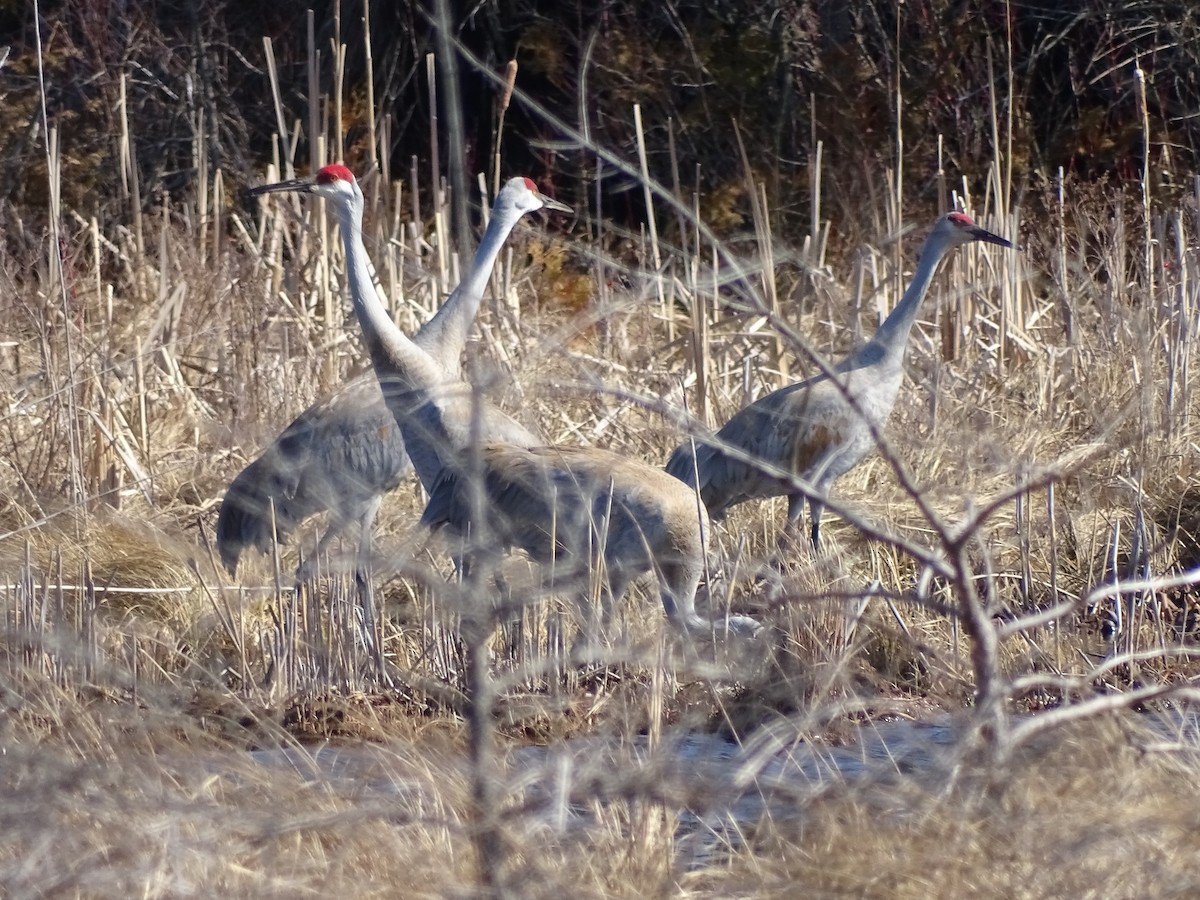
1018, 557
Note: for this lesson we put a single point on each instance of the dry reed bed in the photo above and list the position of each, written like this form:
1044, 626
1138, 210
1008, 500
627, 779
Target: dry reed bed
145, 799
179, 389
1055, 383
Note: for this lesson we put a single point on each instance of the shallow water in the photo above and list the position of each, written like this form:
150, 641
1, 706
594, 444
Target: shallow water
718, 788
722, 788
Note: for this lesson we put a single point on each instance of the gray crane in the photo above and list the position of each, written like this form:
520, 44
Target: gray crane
443, 421
818, 429
572, 506
344, 453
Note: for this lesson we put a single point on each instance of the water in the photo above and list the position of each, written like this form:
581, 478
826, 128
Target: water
718, 789
718, 786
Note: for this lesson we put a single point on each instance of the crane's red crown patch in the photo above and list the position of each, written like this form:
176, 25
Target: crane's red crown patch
330, 174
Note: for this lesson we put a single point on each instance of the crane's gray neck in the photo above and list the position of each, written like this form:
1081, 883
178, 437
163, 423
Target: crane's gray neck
393, 355
887, 346
445, 335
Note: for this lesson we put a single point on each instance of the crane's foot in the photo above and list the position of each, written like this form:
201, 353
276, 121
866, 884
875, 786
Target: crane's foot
741, 626
721, 626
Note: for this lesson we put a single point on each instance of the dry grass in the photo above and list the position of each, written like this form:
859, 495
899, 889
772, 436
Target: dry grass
104, 797
1091, 814
108, 798
138, 679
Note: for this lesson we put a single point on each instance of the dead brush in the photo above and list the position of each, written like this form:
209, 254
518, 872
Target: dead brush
1046, 425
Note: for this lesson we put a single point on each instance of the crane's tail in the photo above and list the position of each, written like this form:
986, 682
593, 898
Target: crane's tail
682, 464
253, 512
443, 507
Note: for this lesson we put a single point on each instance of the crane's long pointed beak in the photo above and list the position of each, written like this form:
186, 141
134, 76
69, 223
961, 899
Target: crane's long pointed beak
982, 234
302, 185
555, 205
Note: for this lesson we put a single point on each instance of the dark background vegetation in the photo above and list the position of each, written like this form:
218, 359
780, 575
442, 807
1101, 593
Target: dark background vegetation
790, 72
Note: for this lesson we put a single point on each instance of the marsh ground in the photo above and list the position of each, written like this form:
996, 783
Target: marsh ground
1036, 489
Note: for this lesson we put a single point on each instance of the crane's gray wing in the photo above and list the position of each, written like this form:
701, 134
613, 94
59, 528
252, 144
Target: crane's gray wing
531, 497
792, 430
511, 488
338, 455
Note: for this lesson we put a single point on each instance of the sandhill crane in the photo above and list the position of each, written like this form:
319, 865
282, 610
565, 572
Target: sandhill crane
572, 506
442, 421
345, 452
817, 430
341, 454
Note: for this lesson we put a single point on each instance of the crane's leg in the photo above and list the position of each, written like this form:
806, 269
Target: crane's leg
512, 619
337, 524
479, 564
789, 545
618, 584
594, 599
308, 567
677, 584
815, 507
788, 539
795, 512
372, 632
587, 593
